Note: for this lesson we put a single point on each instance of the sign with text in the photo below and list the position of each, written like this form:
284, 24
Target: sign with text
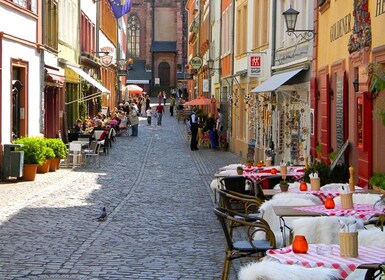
254, 64
206, 85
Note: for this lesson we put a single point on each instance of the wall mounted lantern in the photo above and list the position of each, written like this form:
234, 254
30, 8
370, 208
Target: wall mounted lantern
291, 16
356, 84
210, 64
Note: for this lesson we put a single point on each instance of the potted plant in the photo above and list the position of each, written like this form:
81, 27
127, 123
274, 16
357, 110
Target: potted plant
284, 185
318, 150
33, 148
332, 156
60, 150
239, 170
378, 181
49, 154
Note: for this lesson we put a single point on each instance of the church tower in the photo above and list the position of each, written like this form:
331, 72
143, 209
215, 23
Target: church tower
156, 42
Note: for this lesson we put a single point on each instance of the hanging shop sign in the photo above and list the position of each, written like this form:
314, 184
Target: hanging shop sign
106, 59
254, 65
196, 62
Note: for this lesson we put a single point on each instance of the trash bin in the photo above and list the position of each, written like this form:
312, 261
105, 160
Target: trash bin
12, 161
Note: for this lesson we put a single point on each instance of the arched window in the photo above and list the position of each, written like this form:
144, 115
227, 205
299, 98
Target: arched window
133, 32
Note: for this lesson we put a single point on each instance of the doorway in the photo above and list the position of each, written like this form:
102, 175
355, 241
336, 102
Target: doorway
164, 74
18, 102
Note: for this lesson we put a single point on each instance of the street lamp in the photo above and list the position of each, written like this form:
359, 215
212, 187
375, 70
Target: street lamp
210, 64
291, 16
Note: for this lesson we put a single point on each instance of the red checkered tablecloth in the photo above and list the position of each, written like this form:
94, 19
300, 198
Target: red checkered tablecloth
322, 195
345, 266
360, 211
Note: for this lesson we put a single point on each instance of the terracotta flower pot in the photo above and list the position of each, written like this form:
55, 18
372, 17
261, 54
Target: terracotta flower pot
54, 164
29, 172
284, 187
44, 168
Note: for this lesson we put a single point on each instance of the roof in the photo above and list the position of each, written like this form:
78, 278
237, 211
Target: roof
138, 71
166, 46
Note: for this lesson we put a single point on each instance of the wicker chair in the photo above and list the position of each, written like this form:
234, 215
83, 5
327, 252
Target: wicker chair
238, 184
246, 204
245, 245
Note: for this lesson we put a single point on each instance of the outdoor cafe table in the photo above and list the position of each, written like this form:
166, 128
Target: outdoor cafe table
360, 211
322, 195
368, 257
256, 174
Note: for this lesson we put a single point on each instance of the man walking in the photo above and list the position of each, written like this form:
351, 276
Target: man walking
194, 130
172, 105
159, 111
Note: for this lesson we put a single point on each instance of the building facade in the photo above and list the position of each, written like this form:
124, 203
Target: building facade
288, 94
156, 44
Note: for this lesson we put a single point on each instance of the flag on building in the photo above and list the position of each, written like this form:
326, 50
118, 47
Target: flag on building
120, 7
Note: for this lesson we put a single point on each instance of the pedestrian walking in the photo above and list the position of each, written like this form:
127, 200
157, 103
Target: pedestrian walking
194, 130
134, 120
149, 115
148, 101
159, 112
219, 121
210, 126
164, 98
172, 105
160, 96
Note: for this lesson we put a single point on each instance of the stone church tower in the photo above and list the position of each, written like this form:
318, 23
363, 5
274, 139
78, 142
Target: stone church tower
157, 43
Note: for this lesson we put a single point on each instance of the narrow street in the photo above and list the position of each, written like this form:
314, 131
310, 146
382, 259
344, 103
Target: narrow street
160, 223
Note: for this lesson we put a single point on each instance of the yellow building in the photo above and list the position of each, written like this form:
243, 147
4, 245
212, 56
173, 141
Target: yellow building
348, 41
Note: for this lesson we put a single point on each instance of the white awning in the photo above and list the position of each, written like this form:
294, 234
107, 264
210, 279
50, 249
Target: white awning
276, 81
89, 79
140, 82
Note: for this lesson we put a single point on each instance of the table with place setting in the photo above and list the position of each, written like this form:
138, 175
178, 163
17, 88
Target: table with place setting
328, 255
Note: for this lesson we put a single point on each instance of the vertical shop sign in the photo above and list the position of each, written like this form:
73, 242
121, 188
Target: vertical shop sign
254, 65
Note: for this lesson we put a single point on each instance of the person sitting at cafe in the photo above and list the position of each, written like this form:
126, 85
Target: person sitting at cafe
78, 127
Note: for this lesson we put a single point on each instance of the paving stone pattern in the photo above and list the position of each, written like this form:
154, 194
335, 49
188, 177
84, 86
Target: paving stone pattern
160, 223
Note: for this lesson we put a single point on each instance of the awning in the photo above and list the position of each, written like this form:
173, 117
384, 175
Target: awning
89, 79
141, 82
276, 81
54, 75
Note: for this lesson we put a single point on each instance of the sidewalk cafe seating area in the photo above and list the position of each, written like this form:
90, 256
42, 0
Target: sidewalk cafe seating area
340, 226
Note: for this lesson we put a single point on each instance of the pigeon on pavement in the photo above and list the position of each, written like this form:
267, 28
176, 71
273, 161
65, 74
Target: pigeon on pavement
103, 215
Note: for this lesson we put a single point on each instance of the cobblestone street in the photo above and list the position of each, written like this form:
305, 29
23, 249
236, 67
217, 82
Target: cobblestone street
160, 223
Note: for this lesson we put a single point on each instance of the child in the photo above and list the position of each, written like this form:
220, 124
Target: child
149, 115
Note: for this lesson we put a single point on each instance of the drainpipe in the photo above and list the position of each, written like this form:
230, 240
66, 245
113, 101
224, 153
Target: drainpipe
274, 38
42, 71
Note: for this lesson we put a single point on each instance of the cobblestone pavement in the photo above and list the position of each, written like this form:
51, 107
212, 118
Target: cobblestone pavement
160, 223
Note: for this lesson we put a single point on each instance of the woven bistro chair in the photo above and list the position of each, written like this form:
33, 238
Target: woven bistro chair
246, 204
238, 184
244, 245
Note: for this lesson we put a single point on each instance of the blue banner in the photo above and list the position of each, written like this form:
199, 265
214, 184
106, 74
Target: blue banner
120, 7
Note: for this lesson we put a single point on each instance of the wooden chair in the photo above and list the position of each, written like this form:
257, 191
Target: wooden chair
244, 204
244, 245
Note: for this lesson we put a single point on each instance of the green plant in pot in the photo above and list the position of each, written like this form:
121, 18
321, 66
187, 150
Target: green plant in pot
49, 155
239, 170
378, 181
318, 150
284, 185
33, 148
59, 149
